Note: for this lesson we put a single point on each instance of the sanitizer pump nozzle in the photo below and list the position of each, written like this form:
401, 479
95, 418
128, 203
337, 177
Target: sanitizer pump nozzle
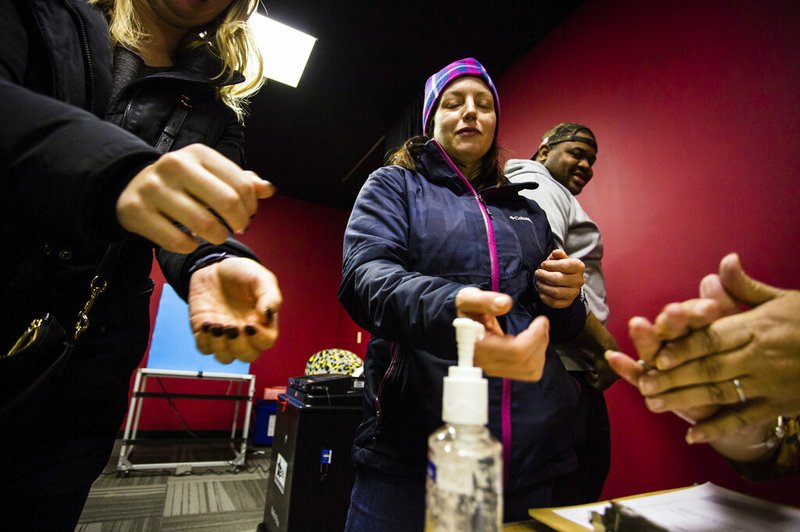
465, 398
464, 485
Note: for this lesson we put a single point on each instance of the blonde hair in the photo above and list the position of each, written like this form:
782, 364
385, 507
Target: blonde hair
229, 37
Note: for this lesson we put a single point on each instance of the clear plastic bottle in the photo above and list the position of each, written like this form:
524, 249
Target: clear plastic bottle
464, 486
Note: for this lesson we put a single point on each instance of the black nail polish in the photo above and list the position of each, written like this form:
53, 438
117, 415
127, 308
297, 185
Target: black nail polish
216, 330
249, 330
232, 332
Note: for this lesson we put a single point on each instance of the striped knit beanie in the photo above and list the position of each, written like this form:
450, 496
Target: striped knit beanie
437, 83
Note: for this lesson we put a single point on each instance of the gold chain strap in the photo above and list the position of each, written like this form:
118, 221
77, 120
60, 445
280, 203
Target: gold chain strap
97, 287
30, 336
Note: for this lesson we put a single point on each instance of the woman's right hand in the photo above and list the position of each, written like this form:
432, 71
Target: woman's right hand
171, 201
519, 357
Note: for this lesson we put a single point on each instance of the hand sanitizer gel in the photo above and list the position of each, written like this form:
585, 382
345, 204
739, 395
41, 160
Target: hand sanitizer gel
464, 486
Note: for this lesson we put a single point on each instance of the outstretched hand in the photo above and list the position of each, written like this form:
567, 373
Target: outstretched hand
519, 357
173, 201
233, 309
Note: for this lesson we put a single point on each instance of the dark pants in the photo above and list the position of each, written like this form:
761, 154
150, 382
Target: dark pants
593, 449
50, 491
386, 503
517, 503
389, 503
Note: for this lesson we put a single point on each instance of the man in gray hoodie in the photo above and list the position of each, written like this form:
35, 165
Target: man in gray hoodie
562, 166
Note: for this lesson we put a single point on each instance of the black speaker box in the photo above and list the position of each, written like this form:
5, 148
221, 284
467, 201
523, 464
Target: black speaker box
311, 473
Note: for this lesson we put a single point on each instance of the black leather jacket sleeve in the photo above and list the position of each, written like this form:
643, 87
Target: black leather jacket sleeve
176, 266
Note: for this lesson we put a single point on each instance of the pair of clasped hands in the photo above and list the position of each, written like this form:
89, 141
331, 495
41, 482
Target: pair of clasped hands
559, 280
233, 304
728, 361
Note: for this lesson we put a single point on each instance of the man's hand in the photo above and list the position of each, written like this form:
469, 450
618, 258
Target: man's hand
559, 279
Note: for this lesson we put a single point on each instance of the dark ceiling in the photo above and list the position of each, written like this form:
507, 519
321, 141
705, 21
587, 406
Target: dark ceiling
365, 77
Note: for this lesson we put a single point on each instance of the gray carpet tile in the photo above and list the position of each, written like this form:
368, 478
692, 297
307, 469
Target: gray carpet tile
123, 503
213, 496
219, 498
145, 524
237, 521
112, 479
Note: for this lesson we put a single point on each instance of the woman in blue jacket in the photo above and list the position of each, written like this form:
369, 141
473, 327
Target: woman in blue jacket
441, 233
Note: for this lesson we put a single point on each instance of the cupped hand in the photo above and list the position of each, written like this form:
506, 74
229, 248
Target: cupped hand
559, 279
173, 201
519, 357
233, 309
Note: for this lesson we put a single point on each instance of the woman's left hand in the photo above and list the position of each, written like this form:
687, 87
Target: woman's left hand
559, 279
233, 309
519, 357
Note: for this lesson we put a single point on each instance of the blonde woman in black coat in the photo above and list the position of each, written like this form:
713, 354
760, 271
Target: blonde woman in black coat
73, 183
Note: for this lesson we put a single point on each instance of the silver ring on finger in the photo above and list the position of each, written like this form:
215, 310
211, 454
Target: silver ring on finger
739, 391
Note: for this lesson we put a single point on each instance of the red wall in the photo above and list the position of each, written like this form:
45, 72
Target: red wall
695, 106
301, 243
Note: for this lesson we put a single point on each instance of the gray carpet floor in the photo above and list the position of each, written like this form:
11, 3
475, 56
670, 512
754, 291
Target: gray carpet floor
207, 498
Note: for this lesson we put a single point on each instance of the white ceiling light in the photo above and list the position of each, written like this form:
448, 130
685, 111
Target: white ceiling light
285, 50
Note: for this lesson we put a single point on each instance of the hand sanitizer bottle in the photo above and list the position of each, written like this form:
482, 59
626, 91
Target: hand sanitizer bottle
464, 485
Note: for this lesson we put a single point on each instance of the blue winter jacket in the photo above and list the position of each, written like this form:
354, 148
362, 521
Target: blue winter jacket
414, 239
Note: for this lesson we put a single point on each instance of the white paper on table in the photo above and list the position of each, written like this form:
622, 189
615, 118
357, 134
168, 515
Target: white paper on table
582, 515
706, 507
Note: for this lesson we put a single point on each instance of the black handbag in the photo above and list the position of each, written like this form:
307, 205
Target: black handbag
39, 352
45, 347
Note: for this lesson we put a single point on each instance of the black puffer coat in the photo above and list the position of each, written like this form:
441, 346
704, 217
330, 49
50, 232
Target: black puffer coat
62, 168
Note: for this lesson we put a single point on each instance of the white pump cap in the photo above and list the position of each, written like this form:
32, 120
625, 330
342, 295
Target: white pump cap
465, 400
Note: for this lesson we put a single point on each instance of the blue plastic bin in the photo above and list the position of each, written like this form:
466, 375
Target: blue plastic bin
264, 424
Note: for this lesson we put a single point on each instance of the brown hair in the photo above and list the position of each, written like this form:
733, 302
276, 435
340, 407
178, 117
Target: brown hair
491, 172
